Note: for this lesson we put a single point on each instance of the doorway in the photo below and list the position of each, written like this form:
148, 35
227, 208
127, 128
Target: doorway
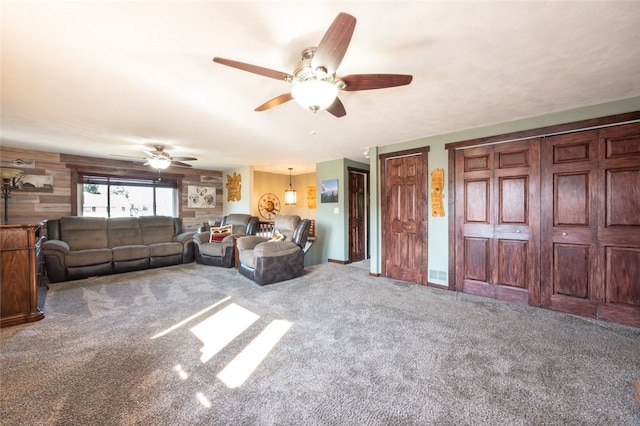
358, 214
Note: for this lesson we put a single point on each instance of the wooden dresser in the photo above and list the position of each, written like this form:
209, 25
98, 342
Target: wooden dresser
21, 274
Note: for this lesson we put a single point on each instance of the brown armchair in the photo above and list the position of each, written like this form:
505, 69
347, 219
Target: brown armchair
265, 261
220, 253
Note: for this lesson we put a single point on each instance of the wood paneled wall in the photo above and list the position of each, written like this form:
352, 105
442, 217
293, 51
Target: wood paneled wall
34, 207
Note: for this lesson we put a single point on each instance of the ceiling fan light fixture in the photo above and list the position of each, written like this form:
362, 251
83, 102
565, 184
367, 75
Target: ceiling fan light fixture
159, 163
314, 94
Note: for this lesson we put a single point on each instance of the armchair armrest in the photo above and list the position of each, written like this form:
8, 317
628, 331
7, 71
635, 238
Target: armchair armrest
276, 248
249, 242
201, 237
55, 246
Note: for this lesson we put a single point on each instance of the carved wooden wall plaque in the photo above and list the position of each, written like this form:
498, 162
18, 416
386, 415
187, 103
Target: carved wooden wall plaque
437, 185
233, 187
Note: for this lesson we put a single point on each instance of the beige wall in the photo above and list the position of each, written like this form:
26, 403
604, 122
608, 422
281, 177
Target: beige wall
34, 207
264, 182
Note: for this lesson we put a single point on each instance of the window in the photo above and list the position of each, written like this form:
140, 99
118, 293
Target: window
116, 196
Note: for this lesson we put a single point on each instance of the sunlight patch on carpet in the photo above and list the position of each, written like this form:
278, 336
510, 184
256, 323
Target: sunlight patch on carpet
181, 373
221, 328
203, 400
191, 318
241, 367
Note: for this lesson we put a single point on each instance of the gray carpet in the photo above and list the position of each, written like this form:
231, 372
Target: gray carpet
129, 349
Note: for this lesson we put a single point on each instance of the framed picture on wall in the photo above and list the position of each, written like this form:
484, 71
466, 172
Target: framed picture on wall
201, 197
329, 192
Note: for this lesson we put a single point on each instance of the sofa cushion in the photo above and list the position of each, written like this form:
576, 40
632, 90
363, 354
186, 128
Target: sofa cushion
157, 229
220, 232
276, 236
286, 224
213, 249
124, 231
83, 233
165, 249
239, 221
88, 257
131, 252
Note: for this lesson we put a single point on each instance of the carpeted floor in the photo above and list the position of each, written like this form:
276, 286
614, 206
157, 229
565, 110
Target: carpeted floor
200, 345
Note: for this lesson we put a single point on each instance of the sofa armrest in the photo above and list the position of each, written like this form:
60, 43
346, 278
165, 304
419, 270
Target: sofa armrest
184, 237
55, 246
53, 254
249, 242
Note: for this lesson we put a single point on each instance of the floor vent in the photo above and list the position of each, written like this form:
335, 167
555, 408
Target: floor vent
437, 276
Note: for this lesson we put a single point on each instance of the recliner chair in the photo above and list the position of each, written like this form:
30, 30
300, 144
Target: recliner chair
266, 261
220, 253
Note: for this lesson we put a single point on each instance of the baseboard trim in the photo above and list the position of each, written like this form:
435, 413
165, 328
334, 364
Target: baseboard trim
340, 262
440, 286
375, 274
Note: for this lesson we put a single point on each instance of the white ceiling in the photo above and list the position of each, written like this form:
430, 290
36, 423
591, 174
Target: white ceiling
105, 78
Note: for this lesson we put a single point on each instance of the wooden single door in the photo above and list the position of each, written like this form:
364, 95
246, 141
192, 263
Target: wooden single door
497, 232
619, 224
358, 213
569, 223
404, 216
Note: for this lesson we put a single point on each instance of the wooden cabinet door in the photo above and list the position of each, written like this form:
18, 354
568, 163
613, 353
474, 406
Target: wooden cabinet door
498, 240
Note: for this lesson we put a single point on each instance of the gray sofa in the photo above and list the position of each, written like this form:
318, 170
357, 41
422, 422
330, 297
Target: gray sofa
220, 253
80, 247
265, 261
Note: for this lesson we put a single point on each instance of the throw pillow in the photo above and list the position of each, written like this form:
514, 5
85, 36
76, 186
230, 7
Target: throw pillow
276, 236
220, 232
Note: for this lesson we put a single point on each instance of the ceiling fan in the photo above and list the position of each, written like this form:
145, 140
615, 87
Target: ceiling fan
160, 159
315, 85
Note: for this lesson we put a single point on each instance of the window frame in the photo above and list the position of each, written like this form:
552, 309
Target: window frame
78, 174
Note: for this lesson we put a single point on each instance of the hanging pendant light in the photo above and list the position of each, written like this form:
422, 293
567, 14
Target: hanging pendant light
290, 197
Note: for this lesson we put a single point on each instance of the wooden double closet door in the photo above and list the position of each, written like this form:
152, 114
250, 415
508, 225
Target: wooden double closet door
553, 221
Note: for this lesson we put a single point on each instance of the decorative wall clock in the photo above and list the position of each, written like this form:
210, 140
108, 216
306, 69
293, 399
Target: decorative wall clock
269, 206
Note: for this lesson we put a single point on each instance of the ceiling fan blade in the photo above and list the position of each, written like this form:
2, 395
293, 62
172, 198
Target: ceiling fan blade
337, 109
184, 158
266, 72
334, 44
180, 164
374, 81
278, 100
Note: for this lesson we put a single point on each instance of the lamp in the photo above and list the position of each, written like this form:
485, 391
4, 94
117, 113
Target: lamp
159, 163
314, 94
290, 194
8, 182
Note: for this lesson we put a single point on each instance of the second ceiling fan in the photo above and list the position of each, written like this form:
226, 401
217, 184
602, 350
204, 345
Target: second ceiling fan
315, 85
